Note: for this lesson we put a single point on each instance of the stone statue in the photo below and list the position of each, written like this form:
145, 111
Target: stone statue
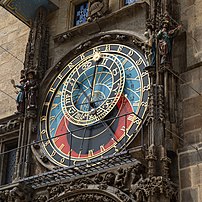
20, 99
165, 40
150, 47
119, 180
97, 8
30, 90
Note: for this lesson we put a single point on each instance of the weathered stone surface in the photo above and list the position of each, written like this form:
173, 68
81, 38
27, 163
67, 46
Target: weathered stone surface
190, 195
192, 123
193, 137
196, 177
192, 107
191, 18
190, 158
13, 37
185, 178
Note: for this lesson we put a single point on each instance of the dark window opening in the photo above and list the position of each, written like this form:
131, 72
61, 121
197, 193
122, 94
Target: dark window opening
81, 13
9, 163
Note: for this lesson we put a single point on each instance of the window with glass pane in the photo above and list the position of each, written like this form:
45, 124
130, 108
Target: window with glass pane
9, 163
128, 2
81, 13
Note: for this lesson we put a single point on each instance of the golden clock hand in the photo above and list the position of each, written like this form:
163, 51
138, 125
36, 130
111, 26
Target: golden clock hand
106, 126
84, 93
94, 80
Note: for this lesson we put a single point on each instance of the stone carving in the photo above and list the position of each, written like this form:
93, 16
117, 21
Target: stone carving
165, 40
82, 46
97, 8
153, 186
36, 58
138, 42
62, 38
119, 179
40, 198
106, 37
150, 46
121, 37
31, 90
20, 99
18, 193
9, 126
88, 197
127, 183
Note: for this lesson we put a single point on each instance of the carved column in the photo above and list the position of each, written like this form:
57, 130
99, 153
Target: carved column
162, 101
35, 65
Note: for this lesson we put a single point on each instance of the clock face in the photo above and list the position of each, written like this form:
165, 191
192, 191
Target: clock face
95, 105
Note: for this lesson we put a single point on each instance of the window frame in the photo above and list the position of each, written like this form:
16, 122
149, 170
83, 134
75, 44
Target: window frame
6, 145
123, 3
73, 5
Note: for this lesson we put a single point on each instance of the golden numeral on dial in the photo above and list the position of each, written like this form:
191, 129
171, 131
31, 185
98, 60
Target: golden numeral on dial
104, 61
130, 53
59, 77
90, 153
47, 143
53, 153
82, 56
107, 48
52, 90
102, 149
115, 71
139, 62
120, 48
61, 147
62, 160
43, 132
95, 50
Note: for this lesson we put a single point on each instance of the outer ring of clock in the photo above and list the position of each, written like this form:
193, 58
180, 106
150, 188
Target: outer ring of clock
54, 153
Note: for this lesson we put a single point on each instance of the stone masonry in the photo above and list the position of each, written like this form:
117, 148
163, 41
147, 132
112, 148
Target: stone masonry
190, 156
13, 37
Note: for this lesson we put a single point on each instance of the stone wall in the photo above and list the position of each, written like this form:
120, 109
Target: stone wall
13, 37
191, 11
190, 155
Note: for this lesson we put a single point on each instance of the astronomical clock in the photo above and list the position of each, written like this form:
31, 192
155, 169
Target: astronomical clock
95, 105
97, 117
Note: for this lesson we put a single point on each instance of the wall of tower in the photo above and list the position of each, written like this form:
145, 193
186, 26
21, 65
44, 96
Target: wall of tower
13, 38
190, 156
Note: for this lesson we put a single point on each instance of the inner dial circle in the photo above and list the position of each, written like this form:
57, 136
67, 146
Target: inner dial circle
87, 99
92, 89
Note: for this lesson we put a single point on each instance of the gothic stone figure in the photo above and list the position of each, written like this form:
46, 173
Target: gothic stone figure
150, 47
30, 89
119, 180
97, 8
165, 40
20, 99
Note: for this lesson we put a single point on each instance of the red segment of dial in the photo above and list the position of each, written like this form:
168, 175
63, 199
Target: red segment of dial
124, 123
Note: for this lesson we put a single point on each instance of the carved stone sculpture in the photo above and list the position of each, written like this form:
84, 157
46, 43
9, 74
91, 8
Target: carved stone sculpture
165, 39
30, 90
97, 8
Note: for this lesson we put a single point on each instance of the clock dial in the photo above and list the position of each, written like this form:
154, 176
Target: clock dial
95, 105
92, 89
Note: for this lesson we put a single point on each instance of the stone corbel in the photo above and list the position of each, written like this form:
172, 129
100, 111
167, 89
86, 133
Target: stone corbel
97, 9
